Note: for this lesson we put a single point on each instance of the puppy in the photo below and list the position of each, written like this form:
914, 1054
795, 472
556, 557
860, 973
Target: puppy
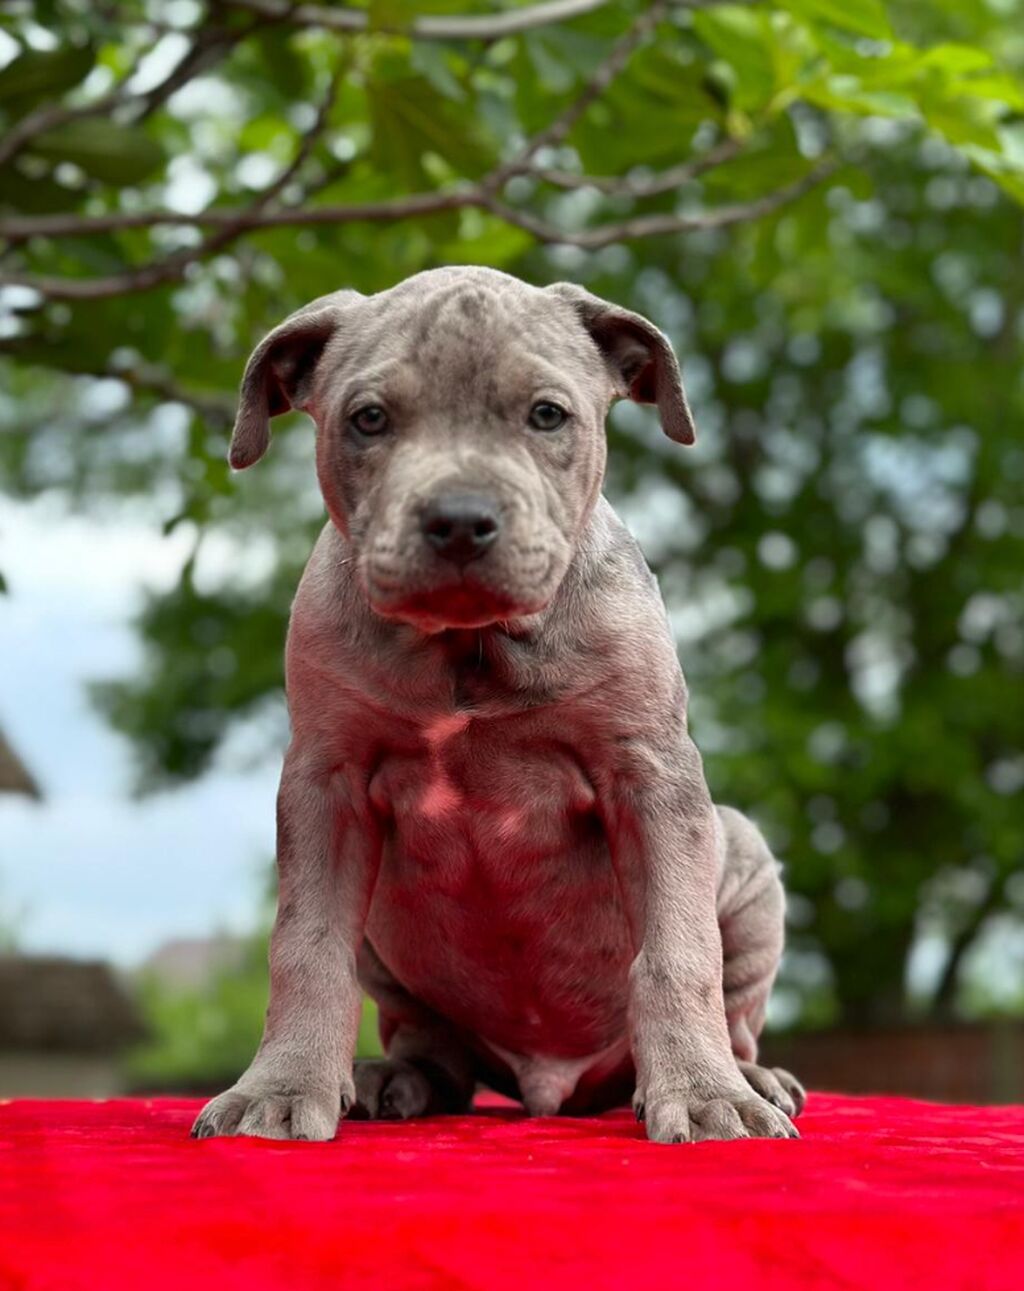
491, 816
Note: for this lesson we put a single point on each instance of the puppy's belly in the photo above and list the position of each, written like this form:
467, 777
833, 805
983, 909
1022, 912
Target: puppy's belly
532, 963
504, 916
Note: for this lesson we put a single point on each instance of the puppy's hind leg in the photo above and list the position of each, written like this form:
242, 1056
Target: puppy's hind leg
427, 1071
751, 916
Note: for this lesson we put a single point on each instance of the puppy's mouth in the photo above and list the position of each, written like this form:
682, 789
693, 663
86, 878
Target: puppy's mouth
462, 602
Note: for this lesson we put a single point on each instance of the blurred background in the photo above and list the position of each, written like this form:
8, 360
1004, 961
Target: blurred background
819, 200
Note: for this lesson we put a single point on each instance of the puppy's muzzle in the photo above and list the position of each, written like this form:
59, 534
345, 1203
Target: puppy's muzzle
461, 527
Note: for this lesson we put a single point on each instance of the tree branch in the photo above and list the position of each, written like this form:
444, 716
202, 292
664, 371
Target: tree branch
235, 223
597, 83
173, 266
490, 26
18, 228
146, 379
663, 181
208, 47
309, 139
243, 218
230, 223
49, 117
942, 1000
467, 26
647, 226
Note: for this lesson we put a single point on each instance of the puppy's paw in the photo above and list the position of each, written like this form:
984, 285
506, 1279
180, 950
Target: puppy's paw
268, 1111
686, 1116
389, 1090
776, 1085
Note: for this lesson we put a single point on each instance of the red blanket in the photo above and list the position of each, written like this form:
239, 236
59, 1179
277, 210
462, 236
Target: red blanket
878, 1194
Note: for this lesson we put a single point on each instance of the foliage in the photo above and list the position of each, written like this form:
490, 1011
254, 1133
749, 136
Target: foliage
819, 201
203, 1037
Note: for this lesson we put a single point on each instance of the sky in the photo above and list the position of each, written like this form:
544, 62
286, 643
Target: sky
89, 871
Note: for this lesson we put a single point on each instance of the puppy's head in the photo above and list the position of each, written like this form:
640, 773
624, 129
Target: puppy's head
460, 430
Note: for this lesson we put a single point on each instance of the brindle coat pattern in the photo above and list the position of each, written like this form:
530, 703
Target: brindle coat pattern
491, 814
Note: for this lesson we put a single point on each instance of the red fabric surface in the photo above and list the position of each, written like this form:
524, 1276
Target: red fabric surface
878, 1194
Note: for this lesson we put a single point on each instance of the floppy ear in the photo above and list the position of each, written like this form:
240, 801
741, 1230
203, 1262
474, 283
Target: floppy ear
279, 374
639, 355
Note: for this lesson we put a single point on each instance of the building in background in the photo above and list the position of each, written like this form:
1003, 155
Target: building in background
64, 1025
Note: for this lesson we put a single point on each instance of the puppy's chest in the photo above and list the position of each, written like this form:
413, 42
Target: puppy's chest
496, 903
472, 796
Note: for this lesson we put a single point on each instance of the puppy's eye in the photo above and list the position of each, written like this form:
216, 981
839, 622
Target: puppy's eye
547, 416
371, 420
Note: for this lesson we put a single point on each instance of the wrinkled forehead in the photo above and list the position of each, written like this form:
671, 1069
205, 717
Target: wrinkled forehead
464, 339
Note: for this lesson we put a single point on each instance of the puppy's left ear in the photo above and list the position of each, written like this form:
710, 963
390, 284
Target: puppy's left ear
640, 357
279, 374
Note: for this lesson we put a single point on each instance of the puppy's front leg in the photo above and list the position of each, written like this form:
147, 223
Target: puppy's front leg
300, 1080
664, 843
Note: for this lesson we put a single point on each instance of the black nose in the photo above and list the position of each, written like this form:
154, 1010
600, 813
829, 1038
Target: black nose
460, 526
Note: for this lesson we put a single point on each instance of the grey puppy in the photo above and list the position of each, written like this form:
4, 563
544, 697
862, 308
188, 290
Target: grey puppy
491, 815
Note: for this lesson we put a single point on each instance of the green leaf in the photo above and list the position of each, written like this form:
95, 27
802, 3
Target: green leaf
961, 121
410, 119
956, 58
552, 72
113, 153
434, 62
864, 17
391, 15
846, 94
997, 88
1010, 181
1004, 165
743, 39
891, 66
41, 73
771, 162
485, 240
40, 196
286, 68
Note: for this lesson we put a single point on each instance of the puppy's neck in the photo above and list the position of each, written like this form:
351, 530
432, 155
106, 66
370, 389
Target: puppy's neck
550, 657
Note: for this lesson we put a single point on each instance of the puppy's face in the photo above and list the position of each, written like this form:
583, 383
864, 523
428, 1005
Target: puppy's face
460, 422
461, 446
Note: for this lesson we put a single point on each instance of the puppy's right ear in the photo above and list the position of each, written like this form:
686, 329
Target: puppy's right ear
279, 374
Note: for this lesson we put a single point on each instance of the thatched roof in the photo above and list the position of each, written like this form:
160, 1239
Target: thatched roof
14, 775
48, 1003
